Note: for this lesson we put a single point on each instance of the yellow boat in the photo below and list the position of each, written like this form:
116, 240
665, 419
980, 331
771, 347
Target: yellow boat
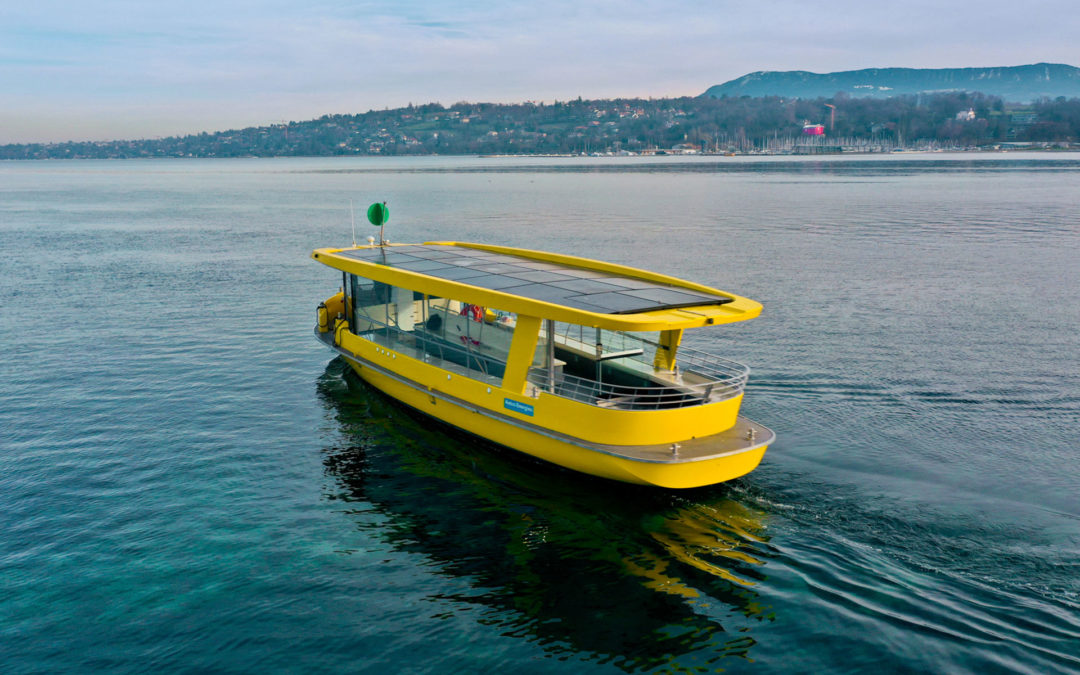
573, 361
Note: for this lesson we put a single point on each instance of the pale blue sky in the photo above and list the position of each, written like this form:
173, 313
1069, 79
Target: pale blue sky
117, 69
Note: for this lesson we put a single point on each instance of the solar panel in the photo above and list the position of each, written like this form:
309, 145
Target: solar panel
461, 273
497, 282
591, 290
425, 266
585, 286
538, 276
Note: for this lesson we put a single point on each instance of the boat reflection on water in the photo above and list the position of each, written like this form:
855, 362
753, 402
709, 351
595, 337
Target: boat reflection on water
637, 577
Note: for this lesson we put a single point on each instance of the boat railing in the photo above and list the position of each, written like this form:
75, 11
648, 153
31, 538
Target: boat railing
698, 378
625, 380
464, 359
656, 396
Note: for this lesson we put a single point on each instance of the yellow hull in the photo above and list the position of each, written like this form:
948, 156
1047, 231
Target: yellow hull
662, 460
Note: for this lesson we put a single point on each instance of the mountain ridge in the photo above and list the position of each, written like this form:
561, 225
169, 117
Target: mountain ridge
1020, 84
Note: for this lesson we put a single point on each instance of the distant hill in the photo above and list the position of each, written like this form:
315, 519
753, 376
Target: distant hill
616, 126
1013, 83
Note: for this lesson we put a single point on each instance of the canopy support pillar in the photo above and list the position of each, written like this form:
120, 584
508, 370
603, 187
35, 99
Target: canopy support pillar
522, 352
665, 351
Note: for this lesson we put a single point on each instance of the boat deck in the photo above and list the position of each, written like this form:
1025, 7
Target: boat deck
746, 435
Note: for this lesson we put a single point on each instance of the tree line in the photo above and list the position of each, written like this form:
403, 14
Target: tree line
611, 125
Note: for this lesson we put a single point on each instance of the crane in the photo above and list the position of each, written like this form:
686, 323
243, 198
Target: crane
832, 115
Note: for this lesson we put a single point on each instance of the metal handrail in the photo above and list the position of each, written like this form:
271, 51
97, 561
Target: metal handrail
671, 393
698, 378
424, 346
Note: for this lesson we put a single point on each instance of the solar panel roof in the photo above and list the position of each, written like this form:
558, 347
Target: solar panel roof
566, 285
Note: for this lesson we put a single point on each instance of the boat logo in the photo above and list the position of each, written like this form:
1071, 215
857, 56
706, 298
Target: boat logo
518, 407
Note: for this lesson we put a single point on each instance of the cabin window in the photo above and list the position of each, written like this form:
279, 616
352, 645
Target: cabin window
602, 343
590, 352
449, 333
366, 292
591, 363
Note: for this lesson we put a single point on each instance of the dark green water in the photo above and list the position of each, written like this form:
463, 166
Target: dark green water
189, 483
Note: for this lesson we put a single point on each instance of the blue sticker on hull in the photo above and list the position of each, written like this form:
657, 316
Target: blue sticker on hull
523, 408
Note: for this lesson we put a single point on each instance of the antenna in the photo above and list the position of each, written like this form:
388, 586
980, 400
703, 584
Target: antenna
352, 215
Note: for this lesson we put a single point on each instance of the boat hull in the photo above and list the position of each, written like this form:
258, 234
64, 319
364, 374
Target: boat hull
551, 355
727, 455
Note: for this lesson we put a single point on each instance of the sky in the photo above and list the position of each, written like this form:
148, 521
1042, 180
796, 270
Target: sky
131, 69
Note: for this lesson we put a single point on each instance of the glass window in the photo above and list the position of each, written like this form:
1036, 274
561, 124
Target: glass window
455, 335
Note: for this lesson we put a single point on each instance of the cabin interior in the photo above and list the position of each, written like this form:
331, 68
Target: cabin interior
601, 367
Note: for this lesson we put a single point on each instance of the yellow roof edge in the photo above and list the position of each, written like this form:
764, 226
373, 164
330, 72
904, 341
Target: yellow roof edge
739, 309
589, 264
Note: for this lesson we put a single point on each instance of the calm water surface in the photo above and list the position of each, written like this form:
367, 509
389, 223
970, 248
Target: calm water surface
188, 482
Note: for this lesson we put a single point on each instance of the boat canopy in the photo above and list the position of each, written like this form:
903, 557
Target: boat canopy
548, 285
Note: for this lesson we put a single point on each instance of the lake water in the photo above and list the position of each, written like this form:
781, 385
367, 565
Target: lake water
189, 483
